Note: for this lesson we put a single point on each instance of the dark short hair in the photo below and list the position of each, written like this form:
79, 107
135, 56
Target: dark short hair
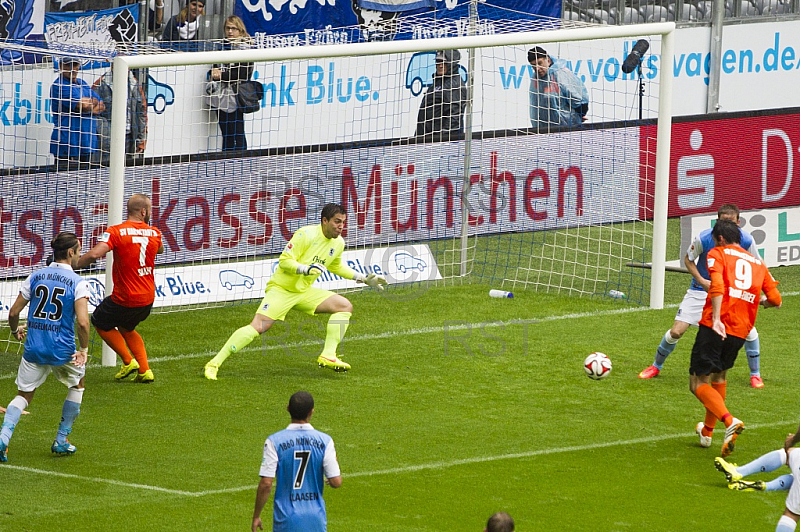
728, 230
728, 209
62, 243
500, 522
332, 209
300, 405
535, 53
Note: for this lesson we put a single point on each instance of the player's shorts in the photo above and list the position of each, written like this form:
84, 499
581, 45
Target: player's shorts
793, 499
278, 302
31, 375
712, 354
691, 309
109, 315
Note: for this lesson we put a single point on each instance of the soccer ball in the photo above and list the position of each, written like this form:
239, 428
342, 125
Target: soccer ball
597, 366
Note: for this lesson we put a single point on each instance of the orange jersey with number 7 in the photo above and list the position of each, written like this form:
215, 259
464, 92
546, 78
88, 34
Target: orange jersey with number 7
739, 278
135, 245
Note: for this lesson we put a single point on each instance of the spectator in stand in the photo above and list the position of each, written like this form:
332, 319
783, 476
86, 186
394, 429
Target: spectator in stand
557, 97
75, 107
184, 25
136, 124
231, 124
442, 107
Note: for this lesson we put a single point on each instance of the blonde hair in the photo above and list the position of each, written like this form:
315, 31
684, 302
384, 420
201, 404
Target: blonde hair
233, 20
184, 14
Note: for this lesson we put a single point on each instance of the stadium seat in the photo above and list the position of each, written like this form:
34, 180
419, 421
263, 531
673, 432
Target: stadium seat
704, 8
690, 13
655, 13
632, 16
598, 16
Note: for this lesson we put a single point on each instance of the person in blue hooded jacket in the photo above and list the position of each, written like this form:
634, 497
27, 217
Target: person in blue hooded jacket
558, 99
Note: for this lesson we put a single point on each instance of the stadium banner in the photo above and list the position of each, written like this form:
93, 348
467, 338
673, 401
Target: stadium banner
757, 171
92, 32
776, 232
237, 281
246, 207
291, 23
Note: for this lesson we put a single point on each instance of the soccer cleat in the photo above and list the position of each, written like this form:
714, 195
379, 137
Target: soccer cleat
748, 485
334, 363
210, 371
731, 433
63, 449
3, 452
729, 469
756, 381
126, 370
146, 377
649, 372
705, 441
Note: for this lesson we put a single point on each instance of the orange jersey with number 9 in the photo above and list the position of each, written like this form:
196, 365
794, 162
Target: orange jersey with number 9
745, 277
135, 245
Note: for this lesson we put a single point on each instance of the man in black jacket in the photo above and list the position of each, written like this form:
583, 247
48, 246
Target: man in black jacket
442, 108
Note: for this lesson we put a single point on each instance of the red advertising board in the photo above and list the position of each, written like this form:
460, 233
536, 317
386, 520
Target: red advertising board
746, 160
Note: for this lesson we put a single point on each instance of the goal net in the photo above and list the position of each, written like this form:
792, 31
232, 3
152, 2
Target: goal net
451, 166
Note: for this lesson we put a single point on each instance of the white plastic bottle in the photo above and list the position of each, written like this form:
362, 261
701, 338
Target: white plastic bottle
500, 293
616, 294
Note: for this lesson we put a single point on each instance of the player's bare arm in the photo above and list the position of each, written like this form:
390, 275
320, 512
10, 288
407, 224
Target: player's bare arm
13, 317
82, 317
692, 267
97, 252
262, 496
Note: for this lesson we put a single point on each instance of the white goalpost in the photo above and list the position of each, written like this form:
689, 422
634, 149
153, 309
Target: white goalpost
497, 200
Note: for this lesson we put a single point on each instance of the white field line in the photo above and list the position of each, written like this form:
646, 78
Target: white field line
457, 326
391, 471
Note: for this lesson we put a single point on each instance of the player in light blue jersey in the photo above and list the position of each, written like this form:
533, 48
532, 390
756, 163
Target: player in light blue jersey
692, 305
312, 251
298, 461
58, 297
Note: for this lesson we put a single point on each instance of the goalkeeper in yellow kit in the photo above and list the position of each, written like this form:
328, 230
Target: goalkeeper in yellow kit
312, 250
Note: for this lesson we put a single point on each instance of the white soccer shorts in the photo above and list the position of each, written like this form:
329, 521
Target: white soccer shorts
31, 375
793, 499
691, 309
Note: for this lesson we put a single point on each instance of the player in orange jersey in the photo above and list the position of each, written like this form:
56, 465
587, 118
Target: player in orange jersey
135, 245
737, 280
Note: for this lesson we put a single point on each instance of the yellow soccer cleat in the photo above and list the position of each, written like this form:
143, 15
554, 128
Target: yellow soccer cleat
145, 378
126, 370
731, 473
334, 363
210, 371
748, 485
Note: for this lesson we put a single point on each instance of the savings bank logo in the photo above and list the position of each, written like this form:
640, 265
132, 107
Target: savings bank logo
15, 24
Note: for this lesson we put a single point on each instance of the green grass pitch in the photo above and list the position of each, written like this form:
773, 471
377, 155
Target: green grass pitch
457, 406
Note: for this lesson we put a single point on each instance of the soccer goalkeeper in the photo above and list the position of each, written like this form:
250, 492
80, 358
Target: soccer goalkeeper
313, 250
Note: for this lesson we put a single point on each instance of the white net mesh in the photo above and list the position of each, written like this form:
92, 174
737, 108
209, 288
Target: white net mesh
386, 136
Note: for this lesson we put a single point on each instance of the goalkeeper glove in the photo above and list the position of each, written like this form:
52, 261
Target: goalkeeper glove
309, 269
372, 280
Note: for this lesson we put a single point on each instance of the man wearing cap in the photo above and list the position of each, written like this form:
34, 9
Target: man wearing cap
557, 97
442, 107
75, 108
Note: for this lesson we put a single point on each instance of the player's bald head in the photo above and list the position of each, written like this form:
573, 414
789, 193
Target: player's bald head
500, 522
137, 202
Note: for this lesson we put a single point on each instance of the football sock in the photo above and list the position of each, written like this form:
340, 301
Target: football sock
238, 340
712, 400
711, 419
116, 342
337, 326
764, 463
783, 482
753, 350
70, 411
136, 345
786, 524
666, 347
13, 413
